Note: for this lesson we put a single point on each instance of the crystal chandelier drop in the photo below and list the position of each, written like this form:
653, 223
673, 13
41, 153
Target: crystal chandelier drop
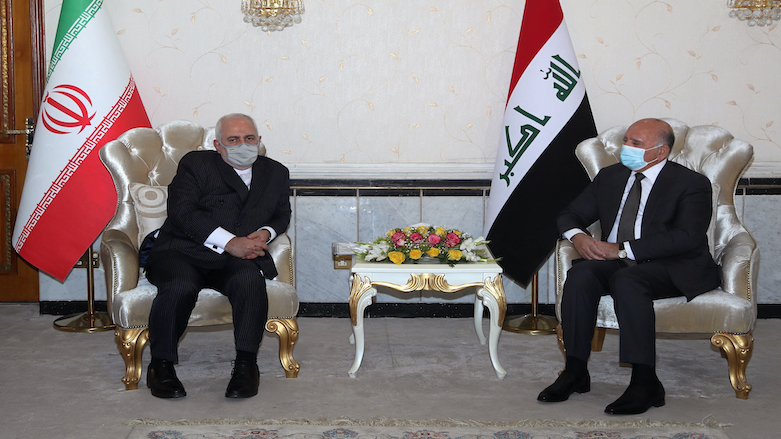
755, 12
271, 15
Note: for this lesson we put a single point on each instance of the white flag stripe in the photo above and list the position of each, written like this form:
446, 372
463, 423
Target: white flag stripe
104, 78
70, 35
95, 137
534, 95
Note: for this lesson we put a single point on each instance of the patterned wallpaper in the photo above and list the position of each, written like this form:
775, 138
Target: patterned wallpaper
422, 83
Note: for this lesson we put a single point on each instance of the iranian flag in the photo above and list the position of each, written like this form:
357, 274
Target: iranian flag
537, 173
90, 98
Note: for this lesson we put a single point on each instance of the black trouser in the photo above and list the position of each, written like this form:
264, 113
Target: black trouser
633, 289
178, 283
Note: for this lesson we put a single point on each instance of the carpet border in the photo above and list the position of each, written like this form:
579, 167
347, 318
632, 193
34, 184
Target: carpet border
708, 422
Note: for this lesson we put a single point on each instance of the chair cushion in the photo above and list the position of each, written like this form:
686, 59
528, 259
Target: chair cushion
711, 312
151, 206
131, 308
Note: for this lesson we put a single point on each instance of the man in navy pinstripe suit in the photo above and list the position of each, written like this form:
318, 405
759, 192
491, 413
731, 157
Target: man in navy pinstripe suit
224, 207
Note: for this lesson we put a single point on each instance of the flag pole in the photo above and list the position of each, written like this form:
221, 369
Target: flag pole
89, 321
534, 323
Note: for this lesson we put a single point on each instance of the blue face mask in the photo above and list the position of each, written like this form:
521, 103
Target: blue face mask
633, 157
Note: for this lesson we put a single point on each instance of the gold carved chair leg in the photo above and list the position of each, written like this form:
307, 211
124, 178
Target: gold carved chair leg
287, 331
131, 344
560, 339
596, 342
737, 349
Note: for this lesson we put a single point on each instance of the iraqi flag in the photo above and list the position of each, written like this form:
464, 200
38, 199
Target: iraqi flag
537, 173
90, 99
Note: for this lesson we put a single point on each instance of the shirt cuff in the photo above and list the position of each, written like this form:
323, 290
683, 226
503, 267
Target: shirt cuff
572, 232
272, 233
218, 240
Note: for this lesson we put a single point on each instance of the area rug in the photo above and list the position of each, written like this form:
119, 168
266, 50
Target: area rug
394, 429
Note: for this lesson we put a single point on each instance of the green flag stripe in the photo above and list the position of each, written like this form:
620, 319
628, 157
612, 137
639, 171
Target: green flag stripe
74, 17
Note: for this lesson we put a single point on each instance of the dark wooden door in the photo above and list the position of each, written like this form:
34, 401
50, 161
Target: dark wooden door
21, 59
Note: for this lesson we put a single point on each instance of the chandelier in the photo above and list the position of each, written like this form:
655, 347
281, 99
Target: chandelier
271, 15
755, 12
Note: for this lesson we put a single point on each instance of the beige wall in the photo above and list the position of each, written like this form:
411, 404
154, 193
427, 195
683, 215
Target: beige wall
422, 84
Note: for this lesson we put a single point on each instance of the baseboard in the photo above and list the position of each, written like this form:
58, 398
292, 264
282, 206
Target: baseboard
68, 307
400, 310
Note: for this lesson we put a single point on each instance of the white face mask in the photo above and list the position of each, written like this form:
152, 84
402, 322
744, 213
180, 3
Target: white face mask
240, 156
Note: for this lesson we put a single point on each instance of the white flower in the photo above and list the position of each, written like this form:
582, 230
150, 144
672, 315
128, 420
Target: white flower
468, 245
377, 251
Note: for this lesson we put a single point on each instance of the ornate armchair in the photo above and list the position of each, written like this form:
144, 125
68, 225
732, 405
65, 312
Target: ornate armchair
728, 313
142, 162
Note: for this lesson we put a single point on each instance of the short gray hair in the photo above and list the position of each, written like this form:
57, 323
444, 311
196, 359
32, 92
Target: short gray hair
218, 125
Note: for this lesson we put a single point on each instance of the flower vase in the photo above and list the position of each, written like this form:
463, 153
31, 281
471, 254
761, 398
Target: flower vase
427, 260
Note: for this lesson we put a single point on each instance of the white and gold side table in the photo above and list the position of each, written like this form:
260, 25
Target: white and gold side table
486, 276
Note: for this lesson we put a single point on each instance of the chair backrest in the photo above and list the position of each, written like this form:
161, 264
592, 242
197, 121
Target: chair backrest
148, 156
709, 150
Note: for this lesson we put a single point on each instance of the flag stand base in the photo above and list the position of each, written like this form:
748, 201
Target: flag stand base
86, 322
89, 321
532, 324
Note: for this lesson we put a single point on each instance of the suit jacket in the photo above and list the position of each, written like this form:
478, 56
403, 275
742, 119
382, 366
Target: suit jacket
675, 222
206, 193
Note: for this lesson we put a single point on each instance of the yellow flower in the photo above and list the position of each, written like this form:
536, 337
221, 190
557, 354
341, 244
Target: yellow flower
457, 232
415, 254
440, 231
407, 230
397, 257
390, 233
422, 229
433, 252
454, 255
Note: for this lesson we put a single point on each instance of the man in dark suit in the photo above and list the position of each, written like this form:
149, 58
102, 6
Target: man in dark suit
224, 207
653, 246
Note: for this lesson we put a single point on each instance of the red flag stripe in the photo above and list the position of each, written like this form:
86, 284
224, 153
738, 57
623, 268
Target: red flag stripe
541, 18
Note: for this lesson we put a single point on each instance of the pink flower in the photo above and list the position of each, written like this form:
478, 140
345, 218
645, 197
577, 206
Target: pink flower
434, 239
417, 238
399, 238
452, 240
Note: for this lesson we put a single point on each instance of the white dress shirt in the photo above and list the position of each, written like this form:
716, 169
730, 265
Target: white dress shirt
647, 183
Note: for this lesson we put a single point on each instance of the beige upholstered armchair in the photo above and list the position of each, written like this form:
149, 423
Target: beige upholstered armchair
142, 163
728, 313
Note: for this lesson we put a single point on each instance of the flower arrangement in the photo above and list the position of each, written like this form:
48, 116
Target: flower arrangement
418, 242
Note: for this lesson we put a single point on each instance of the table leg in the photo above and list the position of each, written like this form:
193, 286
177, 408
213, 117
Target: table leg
361, 296
479, 319
491, 294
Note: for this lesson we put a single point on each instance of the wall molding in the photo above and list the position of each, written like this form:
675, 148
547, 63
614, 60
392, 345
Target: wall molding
442, 171
391, 171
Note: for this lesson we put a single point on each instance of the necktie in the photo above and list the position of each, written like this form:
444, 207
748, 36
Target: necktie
626, 225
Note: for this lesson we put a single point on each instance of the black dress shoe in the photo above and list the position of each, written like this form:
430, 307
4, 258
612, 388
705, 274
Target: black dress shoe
244, 381
565, 385
161, 378
637, 399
